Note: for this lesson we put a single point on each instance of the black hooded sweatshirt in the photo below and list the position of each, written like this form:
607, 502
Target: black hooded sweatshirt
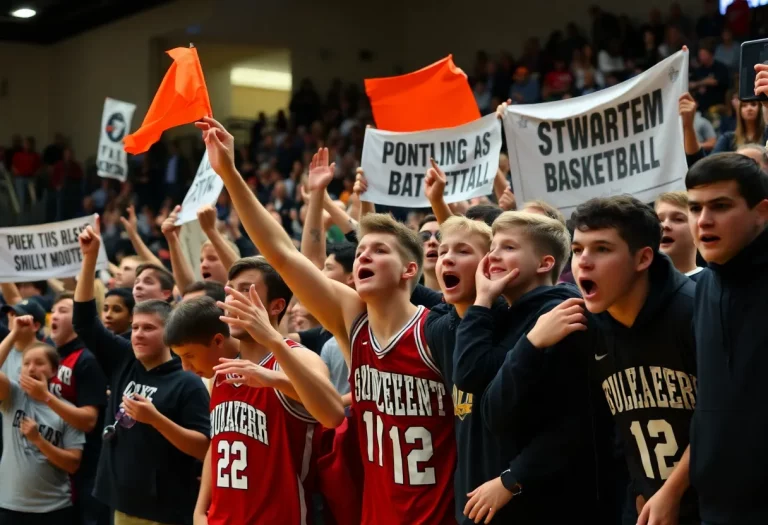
533, 414
729, 442
648, 376
140, 472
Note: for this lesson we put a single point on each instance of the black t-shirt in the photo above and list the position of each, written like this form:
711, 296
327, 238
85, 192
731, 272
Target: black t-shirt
140, 472
83, 384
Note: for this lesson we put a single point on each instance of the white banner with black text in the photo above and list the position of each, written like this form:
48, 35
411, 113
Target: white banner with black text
205, 189
44, 251
626, 139
395, 163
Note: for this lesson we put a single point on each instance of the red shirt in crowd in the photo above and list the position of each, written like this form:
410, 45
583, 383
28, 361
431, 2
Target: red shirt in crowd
25, 163
65, 170
558, 81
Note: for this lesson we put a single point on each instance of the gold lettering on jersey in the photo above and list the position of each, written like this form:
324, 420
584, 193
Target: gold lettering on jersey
657, 388
399, 394
462, 403
239, 417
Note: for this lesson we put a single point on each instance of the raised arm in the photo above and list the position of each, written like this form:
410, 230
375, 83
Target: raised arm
6, 345
313, 237
305, 369
10, 293
110, 349
180, 266
340, 218
206, 215
131, 228
434, 187
360, 187
333, 304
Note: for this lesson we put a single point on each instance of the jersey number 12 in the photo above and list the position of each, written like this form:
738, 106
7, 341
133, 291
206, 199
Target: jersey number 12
415, 456
664, 449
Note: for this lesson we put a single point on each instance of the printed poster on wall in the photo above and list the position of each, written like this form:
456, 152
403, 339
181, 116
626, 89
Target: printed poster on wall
111, 160
624, 139
395, 163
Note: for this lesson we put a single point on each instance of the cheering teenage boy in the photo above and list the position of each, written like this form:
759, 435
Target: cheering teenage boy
645, 360
728, 201
408, 474
521, 463
676, 239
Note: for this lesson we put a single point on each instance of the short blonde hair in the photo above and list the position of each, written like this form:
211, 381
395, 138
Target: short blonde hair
549, 210
675, 198
462, 225
409, 243
229, 243
550, 236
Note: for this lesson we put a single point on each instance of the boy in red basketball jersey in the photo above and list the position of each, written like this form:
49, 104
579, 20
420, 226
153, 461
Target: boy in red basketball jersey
257, 470
403, 411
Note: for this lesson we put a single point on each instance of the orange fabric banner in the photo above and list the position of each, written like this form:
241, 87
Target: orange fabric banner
437, 96
182, 98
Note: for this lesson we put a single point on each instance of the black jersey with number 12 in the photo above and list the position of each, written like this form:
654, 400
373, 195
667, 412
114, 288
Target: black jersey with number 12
647, 373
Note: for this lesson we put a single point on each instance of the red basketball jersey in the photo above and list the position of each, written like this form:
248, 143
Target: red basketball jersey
405, 427
261, 449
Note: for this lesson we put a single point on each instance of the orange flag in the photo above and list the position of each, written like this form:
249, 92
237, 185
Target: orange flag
182, 98
437, 96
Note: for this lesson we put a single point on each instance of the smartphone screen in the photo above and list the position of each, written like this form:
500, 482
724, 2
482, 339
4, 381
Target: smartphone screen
754, 52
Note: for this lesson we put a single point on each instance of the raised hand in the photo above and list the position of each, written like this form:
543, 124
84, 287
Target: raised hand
361, 183
169, 227
320, 171
206, 216
18, 323
761, 81
507, 201
434, 182
220, 145
90, 240
487, 290
686, 107
249, 314
501, 110
557, 324
131, 223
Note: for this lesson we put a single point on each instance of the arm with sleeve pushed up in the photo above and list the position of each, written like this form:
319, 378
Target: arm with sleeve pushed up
334, 304
183, 274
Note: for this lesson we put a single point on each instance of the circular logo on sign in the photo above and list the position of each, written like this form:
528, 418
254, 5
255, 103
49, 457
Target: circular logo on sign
115, 127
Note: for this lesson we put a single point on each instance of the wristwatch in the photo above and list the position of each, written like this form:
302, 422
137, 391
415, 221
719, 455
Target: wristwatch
510, 483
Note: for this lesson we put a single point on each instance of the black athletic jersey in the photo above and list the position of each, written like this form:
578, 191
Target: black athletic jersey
647, 373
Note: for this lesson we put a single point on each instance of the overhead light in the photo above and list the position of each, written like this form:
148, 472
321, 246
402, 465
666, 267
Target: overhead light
260, 78
23, 12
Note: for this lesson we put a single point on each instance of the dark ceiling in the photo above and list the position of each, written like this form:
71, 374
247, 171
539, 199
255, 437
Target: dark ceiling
60, 19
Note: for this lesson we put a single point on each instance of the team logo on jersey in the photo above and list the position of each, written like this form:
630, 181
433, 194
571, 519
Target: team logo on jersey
462, 403
229, 376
